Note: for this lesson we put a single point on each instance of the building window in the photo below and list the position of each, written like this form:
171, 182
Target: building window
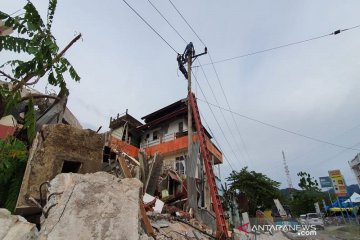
71, 166
155, 135
180, 165
181, 127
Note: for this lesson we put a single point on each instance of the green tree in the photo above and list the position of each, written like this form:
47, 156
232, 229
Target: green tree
258, 188
13, 157
310, 193
307, 182
34, 42
34, 38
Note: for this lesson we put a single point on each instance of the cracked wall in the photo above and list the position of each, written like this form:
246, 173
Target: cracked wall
58, 148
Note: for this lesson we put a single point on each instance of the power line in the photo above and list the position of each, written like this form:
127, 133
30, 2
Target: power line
261, 51
149, 25
280, 128
212, 112
335, 155
217, 75
228, 105
185, 42
16, 12
221, 111
218, 144
187, 22
167, 21
212, 133
265, 50
281, 46
314, 148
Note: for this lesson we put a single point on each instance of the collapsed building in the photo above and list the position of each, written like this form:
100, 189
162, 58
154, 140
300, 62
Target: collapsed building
155, 152
165, 132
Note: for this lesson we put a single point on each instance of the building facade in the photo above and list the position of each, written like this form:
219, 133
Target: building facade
355, 167
164, 131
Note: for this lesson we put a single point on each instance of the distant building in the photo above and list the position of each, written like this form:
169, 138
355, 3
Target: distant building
355, 167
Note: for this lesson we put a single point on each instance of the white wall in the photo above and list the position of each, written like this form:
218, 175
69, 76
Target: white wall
174, 126
167, 130
355, 167
118, 133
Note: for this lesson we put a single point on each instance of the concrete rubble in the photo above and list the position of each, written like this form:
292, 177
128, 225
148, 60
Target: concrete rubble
67, 195
92, 206
170, 227
13, 227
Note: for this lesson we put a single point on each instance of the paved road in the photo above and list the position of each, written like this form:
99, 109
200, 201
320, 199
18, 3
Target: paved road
348, 232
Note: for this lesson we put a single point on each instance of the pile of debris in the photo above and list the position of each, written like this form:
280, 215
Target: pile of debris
166, 221
168, 227
72, 190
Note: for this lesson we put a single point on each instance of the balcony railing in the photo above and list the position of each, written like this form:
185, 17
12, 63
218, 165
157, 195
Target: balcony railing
166, 138
170, 143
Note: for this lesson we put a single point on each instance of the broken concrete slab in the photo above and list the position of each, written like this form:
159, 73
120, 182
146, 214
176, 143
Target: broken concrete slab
179, 230
163, 223
158, 203
92, 206
170, 227
13, 227
58, 148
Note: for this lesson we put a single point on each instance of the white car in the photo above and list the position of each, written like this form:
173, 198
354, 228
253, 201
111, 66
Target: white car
303, 219
314, 219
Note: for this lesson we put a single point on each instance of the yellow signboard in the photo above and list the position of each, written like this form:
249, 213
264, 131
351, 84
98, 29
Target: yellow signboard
338, 183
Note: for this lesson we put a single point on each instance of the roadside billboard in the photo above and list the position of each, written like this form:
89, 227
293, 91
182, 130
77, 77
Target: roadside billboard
325, 182
338, 183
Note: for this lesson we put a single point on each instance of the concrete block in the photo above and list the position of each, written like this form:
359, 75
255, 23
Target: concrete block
13, 227
92, 206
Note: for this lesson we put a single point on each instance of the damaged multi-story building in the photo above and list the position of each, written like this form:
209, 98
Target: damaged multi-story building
165, 132
155, 149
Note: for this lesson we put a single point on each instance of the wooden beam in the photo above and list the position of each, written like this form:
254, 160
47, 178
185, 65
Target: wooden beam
124, 167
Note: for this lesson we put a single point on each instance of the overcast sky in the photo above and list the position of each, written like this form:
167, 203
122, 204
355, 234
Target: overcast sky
311, 88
